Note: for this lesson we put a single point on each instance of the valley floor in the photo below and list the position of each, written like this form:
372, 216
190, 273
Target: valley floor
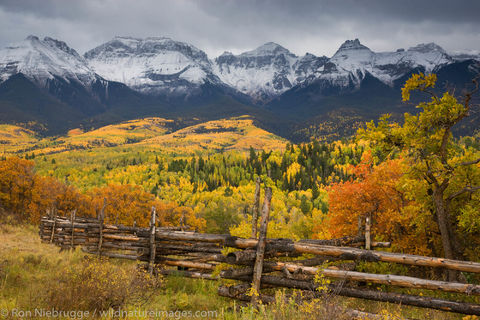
34, 275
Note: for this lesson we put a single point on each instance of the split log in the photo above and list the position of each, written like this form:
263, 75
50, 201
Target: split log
248, 256
123, 238
189, 249
113, 255
188, 274
353, 242
187, 264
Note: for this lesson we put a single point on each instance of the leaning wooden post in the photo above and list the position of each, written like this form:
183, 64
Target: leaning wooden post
368, 223
101, 218
53, 226
262, 240
72, 217
152, 242
256, 207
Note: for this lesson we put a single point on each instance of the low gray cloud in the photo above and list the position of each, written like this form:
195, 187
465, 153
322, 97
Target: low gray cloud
215, 26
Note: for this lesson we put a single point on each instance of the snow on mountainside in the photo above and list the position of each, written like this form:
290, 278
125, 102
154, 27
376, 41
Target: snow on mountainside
152, 65
466, 55
159, 65
43, 60
352, 61
271, 69
266, 71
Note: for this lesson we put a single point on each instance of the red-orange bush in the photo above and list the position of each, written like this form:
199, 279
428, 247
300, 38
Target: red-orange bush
374, 191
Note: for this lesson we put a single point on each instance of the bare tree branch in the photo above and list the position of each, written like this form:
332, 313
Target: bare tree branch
469, 189
467, 163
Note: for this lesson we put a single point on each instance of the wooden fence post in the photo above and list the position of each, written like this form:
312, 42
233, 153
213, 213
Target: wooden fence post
262, 240
72, 217
256, 207
368, 224
152, 242
53, 227
101, 218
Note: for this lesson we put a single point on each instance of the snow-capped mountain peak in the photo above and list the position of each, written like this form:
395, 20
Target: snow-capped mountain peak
61, 45
352, 45
267, 49
151, 65
264, 72
43, 60
353, 61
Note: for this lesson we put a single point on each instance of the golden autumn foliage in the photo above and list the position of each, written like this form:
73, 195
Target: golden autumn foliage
375, 192
30, 196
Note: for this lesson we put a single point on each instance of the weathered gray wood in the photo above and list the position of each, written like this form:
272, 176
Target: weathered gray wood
187, 264
410, 300
152, 241
72, 217
393, 280
256, 207
262, 240
188, 274
53, 230
101, 218
367, 255
404, 299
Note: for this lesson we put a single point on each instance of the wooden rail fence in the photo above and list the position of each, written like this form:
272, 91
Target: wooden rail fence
261, 262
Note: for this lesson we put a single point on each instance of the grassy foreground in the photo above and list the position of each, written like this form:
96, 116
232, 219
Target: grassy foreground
34, 275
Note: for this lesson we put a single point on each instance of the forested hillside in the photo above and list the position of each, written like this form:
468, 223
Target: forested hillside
207, 172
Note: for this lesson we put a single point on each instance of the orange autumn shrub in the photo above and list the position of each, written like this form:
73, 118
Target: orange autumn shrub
374, 191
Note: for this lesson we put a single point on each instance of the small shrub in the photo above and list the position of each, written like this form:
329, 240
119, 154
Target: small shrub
97, 284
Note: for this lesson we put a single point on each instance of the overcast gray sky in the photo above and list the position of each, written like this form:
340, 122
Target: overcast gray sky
215, 26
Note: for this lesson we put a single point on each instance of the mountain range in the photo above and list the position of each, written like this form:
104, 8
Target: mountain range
47, 84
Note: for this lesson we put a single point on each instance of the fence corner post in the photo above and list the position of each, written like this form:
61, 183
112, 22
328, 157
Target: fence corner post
72, 217
256, 207
262, 240
53, 227
101, 219
152, 241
